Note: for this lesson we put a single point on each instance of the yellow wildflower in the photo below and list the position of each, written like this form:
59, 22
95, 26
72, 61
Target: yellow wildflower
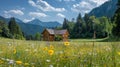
1, 62
118, 53
45, 49
26, 64
14, 51
104, 65
66, 43
18, 62
50, 52
51, 47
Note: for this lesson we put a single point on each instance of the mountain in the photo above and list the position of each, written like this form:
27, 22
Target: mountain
8, 19
30, 29
51, 24
107, 9
27, 29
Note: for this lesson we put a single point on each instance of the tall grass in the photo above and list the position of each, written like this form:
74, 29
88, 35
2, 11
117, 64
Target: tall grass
77, 54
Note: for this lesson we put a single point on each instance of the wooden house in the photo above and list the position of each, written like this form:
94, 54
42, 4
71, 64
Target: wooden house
49, 34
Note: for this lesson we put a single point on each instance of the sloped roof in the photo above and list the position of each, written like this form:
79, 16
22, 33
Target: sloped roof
52, 31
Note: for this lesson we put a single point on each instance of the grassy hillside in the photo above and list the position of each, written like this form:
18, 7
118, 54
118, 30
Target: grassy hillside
21, 53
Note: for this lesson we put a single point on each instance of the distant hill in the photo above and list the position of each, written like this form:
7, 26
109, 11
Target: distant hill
30, 29
51, 24
107, 9
34, 26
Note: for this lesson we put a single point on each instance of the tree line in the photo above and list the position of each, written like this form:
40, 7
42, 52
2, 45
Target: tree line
13, 31
92, 27
88, 27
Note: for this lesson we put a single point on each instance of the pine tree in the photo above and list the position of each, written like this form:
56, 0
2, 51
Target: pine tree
77, 30
65, 24
15, 30
12, 26
116, 20
2, 24
4, 31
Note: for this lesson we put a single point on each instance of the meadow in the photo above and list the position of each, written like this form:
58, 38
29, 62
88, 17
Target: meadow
76, 53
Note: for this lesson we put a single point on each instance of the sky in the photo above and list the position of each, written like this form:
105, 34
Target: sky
47, 10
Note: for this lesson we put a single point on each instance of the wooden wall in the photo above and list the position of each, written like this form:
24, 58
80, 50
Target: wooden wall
49, 37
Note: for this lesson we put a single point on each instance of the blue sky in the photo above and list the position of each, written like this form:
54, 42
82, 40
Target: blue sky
47, 10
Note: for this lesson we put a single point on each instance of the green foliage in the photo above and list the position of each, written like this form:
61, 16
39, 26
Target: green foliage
4, 31
89, 27
77, 30
15, 30
105, 25
29, 37
65, 24
116, 21
37, 36
2, 25
58, 38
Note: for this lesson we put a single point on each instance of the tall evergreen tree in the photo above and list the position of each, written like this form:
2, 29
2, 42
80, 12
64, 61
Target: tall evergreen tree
65, 24
78, 27
116, 21
2, 24
15, 30
4, 31
12, 26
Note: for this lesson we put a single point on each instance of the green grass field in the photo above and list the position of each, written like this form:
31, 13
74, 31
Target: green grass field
80, 53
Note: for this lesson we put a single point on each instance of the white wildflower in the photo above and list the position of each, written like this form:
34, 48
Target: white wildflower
11, 62
26, 50
50, 65
7, 59
47, 60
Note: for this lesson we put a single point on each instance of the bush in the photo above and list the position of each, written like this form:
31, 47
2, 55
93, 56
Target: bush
58, 38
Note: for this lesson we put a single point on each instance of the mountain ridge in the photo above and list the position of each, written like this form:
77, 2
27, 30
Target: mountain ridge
30, 28
107, 9
50, 24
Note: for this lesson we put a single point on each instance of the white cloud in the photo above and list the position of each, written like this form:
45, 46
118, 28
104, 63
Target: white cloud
65, 0
43, 5
27, 20
16, 12
69, 0
32, 3
98, 2
61, 15
87, 5
37, 14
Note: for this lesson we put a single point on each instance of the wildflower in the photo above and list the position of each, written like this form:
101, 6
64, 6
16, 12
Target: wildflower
50, 52
47, 60
35, 50
104, 65
118, 53
26, 50
1, 62
26, 64
3, 59
50, 65
66, 43
7, 59
18, 62
11, 61
51, 47
14, 51
45, 49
